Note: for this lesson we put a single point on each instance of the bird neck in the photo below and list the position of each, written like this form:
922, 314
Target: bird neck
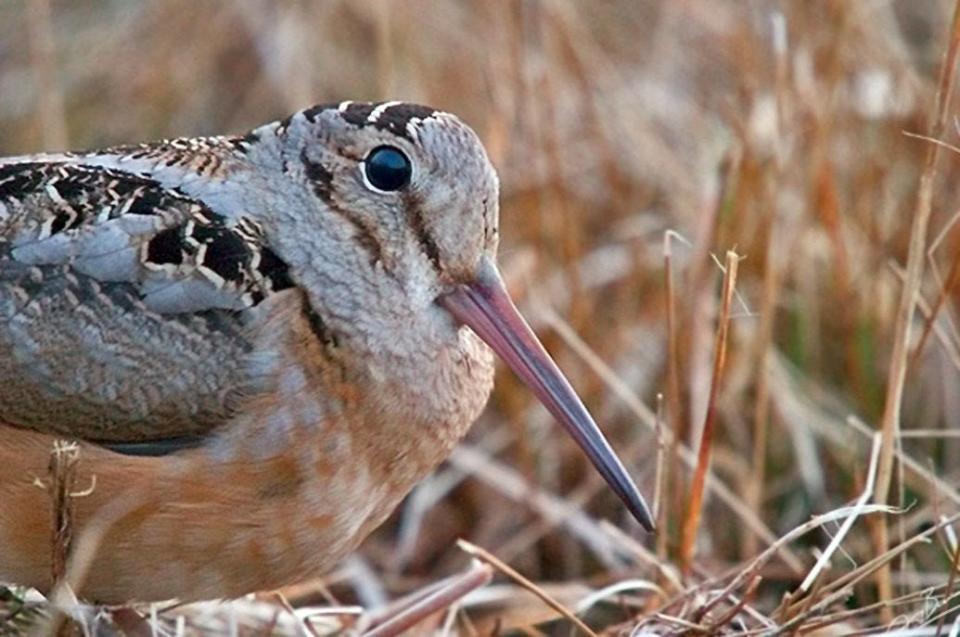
402, 390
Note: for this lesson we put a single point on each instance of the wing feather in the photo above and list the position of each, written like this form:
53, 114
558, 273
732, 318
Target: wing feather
123, 304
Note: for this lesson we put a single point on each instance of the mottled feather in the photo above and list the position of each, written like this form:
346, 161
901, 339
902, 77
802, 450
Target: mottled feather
122, 304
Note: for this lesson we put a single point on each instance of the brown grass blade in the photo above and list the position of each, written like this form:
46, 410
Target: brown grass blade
692, 519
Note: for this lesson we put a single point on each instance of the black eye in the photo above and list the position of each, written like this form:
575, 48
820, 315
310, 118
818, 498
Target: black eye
387, 168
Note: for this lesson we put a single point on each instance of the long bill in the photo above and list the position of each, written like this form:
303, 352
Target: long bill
485, 306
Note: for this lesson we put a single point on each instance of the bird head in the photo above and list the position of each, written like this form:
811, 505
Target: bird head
414, 191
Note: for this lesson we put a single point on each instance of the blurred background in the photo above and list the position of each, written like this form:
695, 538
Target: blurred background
619, 128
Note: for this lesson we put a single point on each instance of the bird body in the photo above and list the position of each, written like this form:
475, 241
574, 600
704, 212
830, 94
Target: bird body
262, 342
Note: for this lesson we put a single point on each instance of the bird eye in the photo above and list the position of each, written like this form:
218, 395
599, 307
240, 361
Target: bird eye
387, 168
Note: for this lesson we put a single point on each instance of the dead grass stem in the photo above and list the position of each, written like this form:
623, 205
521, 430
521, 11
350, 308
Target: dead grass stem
695, 503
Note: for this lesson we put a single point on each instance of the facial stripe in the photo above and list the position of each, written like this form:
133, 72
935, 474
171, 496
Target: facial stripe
319, 176
322, 181
420, 231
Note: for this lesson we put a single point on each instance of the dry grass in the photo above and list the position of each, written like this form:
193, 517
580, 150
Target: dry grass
785, 130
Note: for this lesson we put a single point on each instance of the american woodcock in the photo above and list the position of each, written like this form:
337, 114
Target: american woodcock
263, 343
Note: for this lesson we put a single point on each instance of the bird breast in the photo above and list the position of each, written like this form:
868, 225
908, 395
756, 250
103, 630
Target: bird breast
397, 412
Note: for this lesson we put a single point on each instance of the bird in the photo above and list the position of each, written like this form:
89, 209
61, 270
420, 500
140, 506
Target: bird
260, 344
